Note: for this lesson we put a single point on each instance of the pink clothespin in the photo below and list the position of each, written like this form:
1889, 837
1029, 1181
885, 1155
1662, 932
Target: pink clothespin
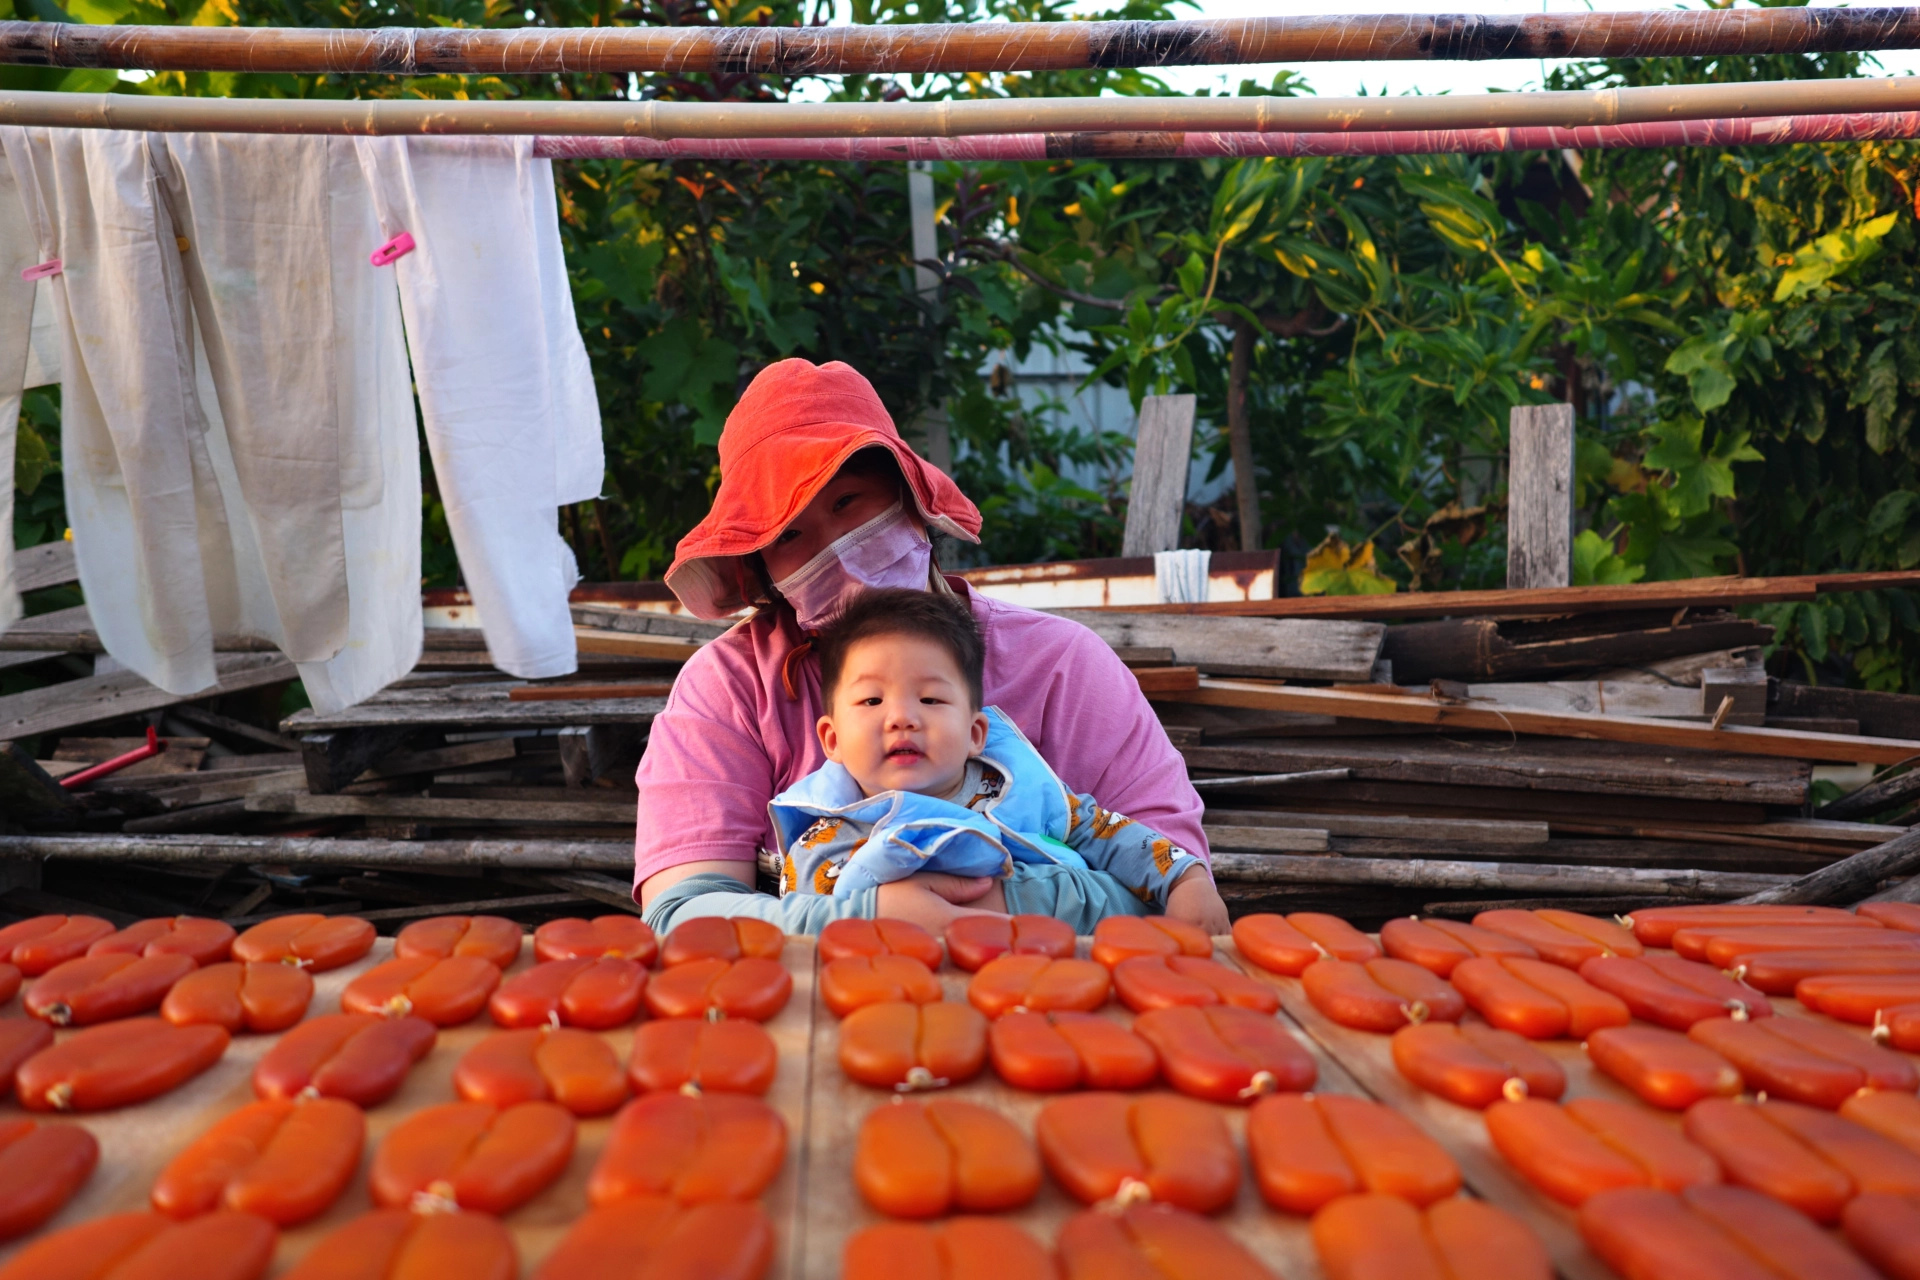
392, 251
41, 272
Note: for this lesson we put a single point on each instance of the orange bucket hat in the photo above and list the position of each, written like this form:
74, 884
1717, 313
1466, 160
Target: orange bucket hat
794, 428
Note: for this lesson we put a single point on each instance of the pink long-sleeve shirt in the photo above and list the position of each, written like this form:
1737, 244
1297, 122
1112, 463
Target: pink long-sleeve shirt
730, 738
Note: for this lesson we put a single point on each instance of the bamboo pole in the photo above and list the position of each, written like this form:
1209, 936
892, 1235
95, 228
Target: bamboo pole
1762, 131
958, 119
986, 47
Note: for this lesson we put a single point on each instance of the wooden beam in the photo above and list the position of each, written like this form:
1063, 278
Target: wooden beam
603, 889
1415, 709
1386, 827
626, 644
460, 811
1509, 648
1266, 839
1877, 796
50, 564
459, 755
1292, 649
1540, 496
122, 693
1162, 459
1497, 877
214, 722
1849, 879
469, 710
533, 855
1548, 602
588, 692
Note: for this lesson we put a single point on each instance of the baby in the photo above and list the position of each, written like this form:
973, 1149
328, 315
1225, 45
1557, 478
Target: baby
921, 777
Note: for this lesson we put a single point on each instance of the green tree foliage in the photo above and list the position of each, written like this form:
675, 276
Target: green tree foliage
1734, 327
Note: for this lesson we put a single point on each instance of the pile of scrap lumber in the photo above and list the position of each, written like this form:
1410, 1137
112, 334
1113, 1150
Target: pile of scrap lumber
1372, 756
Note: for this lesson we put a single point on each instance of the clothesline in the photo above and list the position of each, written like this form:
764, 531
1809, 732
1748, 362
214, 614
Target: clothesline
987, 47
974, 117
1759, 131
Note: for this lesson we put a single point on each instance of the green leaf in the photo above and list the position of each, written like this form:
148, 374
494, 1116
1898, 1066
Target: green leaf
32, 460
1596, 564
1831, 255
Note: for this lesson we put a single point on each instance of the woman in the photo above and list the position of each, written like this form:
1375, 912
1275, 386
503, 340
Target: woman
820, 498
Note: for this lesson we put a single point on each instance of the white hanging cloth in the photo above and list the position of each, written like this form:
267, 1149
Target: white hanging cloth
17, 244
254, 473
506, 393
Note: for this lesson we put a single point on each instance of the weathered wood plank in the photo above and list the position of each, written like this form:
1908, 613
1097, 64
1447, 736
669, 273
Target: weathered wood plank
1404, 709
1162, 458
1542, 764
214, 722
1266, 839
458, 714
1497, 877
626, 644
1386, 826
1589, 697
122, 693
50, 564
1540, 495
1876, 797
1504, 648
1282, 649
535, 855
1886, 715
1849, 879
441, 810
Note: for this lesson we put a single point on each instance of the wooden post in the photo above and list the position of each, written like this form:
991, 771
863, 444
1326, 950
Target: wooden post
1246, 484
1540, 496
1162, 457
936, 437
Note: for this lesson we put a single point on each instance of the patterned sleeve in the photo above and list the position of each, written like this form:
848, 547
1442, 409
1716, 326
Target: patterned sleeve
1139, 857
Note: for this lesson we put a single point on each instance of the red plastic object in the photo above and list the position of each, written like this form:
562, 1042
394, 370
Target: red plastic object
284, 1160
479, 1157
315, 943
201, 940
41, 1166
153, 746
624, 937
974, 940
116, 1064
491, 938
356, 1056
240, 997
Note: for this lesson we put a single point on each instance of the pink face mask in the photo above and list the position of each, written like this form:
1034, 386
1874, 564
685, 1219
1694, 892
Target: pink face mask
890, 550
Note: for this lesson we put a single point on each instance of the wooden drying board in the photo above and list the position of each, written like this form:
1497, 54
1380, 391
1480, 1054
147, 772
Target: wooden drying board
1368, 1058
837, 1106
136, 1143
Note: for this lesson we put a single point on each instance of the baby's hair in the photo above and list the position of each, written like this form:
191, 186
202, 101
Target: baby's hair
945, 620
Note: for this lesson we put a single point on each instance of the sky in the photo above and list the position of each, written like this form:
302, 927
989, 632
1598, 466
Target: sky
1344, 79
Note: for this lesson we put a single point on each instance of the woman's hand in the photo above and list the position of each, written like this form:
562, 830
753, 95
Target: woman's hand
1194, 899
933, 900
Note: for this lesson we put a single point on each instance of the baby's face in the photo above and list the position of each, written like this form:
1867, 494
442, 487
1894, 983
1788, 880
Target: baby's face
902, 718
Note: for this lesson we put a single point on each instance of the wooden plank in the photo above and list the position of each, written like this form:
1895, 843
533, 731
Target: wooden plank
1542, 602
1746, 686
463, 811
648, 622
1482, 877
214, 722
602, 889
1588, 697
589, 692
1536, 764
1540, 495
1289, 649
50, 564
1166, 679
838, 1106
1738, 740
123, 693
1884, 715
1266, 839
1510, 648
403, 764
531, 855
1162, 459
1850, 879
497, 712
1386, 826
211, 786
1878, 796
180, 755
137, 1142
627, 645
